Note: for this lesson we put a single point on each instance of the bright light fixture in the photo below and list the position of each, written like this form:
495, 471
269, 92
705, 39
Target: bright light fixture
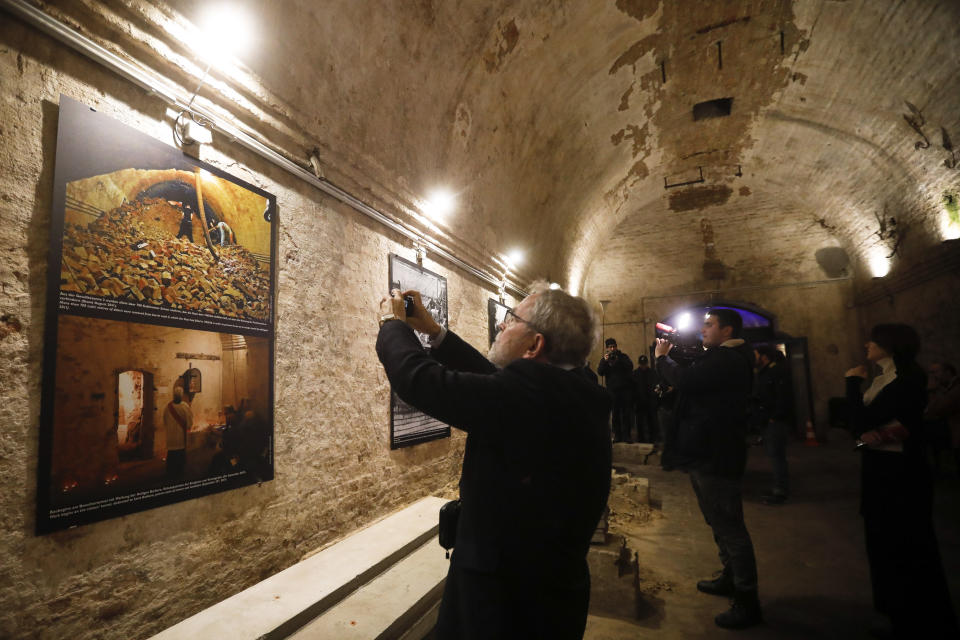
879, 263
225, 31
514, 258
683, 322
950, 218
554, 285
439, 205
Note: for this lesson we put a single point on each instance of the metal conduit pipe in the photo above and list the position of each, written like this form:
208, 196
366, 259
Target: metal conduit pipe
64, 34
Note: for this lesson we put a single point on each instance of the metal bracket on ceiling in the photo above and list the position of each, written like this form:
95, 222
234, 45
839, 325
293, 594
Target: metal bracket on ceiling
684, 184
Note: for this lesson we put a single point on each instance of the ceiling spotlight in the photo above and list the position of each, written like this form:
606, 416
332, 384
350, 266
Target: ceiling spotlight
514, 258
554, 286
950, 217
439, 205
879, 263
225, 31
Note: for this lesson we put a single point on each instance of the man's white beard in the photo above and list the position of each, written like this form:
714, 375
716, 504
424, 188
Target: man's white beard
496, 357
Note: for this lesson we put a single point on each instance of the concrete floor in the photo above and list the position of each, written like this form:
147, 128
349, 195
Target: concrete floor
814, 580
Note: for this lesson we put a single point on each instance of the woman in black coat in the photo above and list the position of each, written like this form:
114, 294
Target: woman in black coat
896, 495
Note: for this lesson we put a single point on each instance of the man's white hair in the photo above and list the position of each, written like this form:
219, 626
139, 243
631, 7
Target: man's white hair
567, 323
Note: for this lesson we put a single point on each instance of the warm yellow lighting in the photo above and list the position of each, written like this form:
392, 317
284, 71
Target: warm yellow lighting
879, 262
514, 258
950, 218
439, 205
225, 31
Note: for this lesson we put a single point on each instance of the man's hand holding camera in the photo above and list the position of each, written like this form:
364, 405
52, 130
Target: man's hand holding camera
663, 348
407, 306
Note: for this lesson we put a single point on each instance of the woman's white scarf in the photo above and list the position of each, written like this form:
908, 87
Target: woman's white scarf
888, 375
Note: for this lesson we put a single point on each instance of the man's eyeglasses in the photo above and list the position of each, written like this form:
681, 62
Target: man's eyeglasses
511, 318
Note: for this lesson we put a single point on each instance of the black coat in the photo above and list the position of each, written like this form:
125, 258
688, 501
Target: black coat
536, 469
710, 414
644, 380
903, 400
772, 394
617, 370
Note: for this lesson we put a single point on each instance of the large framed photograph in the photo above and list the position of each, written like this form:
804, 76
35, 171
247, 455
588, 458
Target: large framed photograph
161, 283
410, 426
496, 313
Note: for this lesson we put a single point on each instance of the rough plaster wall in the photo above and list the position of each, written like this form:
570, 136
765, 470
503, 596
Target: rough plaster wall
132, 576
932, 308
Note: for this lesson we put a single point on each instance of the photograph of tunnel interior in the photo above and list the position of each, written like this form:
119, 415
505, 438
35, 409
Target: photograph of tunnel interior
142, 236
114, 382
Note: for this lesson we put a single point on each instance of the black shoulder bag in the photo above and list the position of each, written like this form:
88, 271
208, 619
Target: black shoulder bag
449, 515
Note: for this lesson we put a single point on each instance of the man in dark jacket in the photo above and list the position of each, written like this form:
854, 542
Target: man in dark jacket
645, 401
536, 469
772, 415
711, 426
616, 367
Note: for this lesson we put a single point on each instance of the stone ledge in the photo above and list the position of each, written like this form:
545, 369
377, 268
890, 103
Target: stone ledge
388, 605
284, 602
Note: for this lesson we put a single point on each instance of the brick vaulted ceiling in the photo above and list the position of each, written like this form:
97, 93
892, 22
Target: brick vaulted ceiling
560, 122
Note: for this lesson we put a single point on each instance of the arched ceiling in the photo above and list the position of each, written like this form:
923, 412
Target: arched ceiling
559, 123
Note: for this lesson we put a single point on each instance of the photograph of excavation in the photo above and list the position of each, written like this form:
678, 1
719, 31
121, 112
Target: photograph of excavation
145, 415
185, 241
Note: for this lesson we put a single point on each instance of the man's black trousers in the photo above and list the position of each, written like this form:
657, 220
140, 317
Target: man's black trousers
721, 502
622, 416
480, 606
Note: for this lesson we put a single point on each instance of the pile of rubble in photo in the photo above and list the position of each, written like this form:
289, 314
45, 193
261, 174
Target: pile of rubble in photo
117, 257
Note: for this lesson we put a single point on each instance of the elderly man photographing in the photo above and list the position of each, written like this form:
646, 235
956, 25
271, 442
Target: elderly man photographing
536, 469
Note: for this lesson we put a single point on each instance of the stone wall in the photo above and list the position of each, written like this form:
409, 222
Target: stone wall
932, 307
133, 576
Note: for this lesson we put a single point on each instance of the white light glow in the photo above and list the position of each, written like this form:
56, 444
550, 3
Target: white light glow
439, 205
683, 322
514, 258
225, 31
879, 263
554, 285
949, 230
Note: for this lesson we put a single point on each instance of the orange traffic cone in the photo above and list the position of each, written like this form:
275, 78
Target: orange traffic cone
811, 440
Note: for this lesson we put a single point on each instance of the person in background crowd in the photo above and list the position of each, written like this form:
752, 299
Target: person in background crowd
896, 489
645, 401
589, 372
772, 415
615, 368
943, 408
710, 442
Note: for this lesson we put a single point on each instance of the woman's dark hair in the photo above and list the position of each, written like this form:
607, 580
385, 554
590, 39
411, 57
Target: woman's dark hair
901, 341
